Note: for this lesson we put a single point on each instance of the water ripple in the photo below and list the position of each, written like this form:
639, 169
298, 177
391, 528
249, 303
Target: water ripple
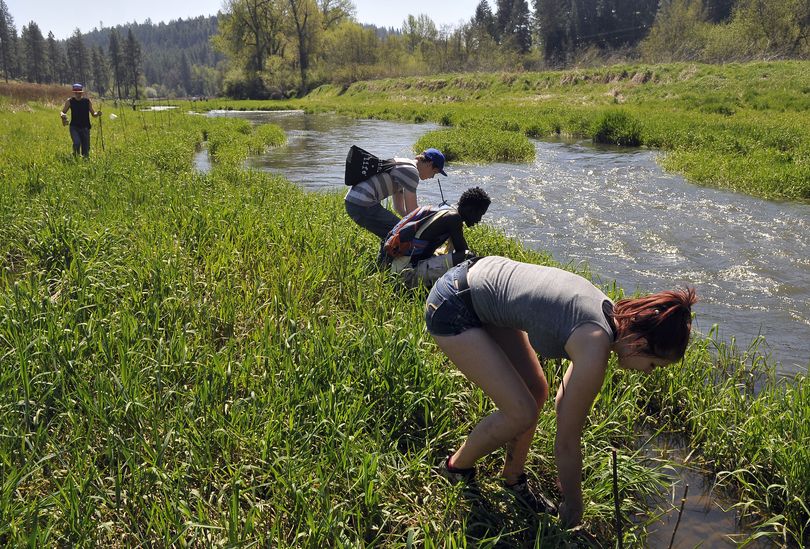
616, 210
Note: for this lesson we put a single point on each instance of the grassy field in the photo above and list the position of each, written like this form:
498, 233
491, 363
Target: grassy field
744, 127
212, 359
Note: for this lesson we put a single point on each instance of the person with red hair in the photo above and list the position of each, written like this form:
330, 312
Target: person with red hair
492, 316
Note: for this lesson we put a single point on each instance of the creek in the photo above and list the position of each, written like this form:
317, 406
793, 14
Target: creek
613, 209
618, 212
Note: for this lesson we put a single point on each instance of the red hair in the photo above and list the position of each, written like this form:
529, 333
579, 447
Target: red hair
657, 324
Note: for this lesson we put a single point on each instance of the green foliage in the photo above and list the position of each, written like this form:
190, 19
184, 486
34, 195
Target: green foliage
283, 48
731, 405
479, 144
678, 33
230, 141
617, 127
739, 126
190, 359
757, 29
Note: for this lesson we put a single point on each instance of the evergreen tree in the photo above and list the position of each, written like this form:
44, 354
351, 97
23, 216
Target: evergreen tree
503, 17
34, 53
520, 28
553, 21
612, 23
7, 45
57, 64
16, 57
132, 61
484, 19
116, 62
718, 10
101, 72
632, 20
185, 74
116, 57
78, 59
513, 25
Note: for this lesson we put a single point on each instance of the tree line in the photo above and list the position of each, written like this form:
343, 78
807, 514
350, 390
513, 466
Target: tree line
127, 61
280, 48
33, 57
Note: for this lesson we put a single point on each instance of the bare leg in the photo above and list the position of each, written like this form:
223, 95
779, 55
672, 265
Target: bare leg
517, 348
478, 355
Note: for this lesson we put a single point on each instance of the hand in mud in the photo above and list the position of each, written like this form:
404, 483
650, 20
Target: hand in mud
570, 515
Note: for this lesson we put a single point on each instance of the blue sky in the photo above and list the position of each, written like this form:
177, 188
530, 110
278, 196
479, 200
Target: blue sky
63, 17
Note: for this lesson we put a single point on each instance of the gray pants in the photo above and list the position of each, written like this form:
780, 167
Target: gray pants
374, 218
81, 140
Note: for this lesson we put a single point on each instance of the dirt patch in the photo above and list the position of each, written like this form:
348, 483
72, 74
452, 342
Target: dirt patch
616, 95
688, 72
641, 77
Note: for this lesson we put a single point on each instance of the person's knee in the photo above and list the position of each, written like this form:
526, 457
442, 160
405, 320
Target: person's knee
524, 414
540, 392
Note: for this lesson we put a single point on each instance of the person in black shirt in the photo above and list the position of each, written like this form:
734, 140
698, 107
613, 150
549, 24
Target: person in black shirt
80, 110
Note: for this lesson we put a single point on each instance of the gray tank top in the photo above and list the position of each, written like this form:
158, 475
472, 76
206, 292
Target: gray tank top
545, 302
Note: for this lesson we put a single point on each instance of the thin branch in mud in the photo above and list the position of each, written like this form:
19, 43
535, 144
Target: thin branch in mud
616, 499
680, 514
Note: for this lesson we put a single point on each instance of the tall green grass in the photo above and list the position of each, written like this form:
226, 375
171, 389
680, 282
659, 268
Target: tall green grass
478, 144
213, 359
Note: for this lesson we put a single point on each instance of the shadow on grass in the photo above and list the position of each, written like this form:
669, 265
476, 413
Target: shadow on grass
496, 519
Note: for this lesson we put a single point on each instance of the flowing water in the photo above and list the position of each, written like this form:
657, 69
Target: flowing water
615, 210
618, 212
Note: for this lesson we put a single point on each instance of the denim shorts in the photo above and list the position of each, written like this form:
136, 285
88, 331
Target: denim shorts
448, 310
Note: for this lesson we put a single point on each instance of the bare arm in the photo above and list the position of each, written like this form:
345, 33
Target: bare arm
65, 107
410, 201
456, 230
399, 203
589, 348
94, 113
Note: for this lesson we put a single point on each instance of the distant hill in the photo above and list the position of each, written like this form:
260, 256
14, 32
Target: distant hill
163, 46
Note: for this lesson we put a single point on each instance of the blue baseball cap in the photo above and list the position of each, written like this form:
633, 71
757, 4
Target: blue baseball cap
437, 158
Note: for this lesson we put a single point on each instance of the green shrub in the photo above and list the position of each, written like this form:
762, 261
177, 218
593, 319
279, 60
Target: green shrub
617, 127
479, 144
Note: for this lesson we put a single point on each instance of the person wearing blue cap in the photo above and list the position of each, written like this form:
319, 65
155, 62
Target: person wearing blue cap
363, 201
80, 110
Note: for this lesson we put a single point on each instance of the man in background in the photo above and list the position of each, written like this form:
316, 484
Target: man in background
80, 110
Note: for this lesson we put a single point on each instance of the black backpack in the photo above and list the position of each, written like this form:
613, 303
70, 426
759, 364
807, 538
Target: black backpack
361, 164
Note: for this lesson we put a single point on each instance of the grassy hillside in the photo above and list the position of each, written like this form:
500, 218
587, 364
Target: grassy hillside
212, 359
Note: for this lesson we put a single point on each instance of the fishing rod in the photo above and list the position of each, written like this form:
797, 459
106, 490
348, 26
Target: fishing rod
123, 119
100, 127
100, 135
616, 503
143, 119
443, 202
